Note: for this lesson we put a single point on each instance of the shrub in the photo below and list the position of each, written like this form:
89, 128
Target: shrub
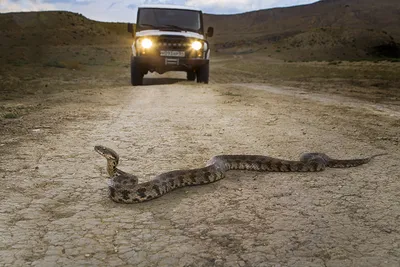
10, 115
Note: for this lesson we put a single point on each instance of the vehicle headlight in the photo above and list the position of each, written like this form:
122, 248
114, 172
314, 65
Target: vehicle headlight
146, 43
196, 45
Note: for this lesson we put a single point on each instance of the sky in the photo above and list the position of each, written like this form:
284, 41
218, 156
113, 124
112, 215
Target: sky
125, 10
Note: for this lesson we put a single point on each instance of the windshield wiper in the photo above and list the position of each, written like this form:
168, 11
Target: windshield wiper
166, 26
148, 25
169, 26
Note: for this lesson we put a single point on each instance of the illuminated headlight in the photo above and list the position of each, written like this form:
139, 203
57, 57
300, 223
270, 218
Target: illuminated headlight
146, 43
196, 45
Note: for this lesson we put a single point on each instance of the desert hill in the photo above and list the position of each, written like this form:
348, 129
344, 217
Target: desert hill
325, 30
56, 28
36, 36
364, 14
344, 29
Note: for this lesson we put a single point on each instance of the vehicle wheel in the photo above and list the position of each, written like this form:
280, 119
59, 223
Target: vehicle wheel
191, 76
203, 73
136, 73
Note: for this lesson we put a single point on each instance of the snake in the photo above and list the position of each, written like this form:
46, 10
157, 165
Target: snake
125, 187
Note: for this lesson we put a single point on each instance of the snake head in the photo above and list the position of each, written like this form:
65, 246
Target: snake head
108, 153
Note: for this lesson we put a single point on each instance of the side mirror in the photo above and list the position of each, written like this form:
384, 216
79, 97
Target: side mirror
131, 29
210, 32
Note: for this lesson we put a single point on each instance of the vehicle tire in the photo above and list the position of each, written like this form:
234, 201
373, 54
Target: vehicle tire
202, 73
191, 75
136, 73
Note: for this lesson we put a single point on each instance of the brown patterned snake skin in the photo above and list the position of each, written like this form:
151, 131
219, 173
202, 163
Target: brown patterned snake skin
124, 187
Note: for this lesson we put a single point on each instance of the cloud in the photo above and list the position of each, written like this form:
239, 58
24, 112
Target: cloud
108, 10
58, 1
240, 6
162, 2
72, 2
113, 4
132, 6
125, 10
23, 5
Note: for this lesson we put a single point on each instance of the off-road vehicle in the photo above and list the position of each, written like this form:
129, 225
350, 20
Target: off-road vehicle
169, 38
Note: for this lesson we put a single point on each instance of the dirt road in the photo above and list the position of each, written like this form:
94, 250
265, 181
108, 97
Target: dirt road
55, 210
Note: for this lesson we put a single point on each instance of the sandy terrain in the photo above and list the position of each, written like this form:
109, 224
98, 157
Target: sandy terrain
54, 207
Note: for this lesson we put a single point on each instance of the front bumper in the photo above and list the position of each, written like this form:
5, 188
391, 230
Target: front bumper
164, 64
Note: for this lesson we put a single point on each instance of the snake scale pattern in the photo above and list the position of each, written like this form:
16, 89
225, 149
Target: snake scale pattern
125, 187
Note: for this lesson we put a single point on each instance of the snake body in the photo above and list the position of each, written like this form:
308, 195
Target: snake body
125, 187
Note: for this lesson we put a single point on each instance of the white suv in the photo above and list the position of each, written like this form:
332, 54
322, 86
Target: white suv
169, 38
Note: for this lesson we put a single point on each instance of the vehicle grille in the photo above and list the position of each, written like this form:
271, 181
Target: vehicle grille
173, 42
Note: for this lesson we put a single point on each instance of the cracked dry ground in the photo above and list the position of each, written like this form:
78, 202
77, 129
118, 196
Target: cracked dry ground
55, 210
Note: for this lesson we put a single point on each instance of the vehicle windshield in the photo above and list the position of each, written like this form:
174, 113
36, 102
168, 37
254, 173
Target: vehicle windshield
169, 19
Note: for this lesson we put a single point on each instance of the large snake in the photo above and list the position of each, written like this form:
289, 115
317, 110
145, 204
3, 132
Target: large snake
125, 188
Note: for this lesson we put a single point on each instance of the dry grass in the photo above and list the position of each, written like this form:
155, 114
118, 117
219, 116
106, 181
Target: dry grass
10, 115
376, 81
258, 63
